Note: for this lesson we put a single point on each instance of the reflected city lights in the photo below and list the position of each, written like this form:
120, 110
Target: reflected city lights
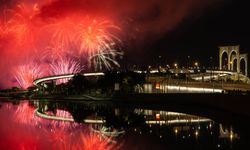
58, 128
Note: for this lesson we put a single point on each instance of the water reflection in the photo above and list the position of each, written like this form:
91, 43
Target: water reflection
104, 125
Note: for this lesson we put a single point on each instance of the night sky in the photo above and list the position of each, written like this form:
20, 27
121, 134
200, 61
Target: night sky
143, 30
224, 23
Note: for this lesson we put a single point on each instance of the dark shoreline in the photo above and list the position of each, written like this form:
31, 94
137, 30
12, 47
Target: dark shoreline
208, 104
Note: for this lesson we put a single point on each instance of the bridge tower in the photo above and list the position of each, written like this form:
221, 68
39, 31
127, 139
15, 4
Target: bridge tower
233, 54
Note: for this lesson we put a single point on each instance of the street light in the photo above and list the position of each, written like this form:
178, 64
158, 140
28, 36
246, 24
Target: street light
196, 64
175, 68
176, 65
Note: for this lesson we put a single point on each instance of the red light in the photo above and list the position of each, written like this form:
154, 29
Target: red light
157, 85
157, 116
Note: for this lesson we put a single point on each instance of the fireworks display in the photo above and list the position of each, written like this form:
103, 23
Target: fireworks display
26, 74
95, 33
62, 32
64, 66
20, 25
62, 45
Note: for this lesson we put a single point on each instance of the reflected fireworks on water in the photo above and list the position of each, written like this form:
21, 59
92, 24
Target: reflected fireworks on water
60, 137
92, 141
32, 132
24, 113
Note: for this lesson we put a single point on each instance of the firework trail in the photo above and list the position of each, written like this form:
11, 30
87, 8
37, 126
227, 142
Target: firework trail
63, 66
54, 52
105, 59
62, 33
21, 24
2, 30
64, 124
32, 132
25, 113
26, 32
26, 74
97, 42
60, 138
92, 141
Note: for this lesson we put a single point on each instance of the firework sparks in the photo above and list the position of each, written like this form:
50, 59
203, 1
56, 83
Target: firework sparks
105, 59
1, 29
93, 141
3, 25
54, 52
64, 66
95, 39
60, 138
24, 113
26, 74
21, 24
32, 132
26, 32
62, 33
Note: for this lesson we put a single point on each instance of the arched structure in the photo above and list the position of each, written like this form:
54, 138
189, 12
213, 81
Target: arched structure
233, 53
245, 58
233, 63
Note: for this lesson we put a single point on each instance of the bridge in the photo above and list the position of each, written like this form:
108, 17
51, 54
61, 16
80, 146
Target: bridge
57, 118
56, 77
214, 106
198, 85
102, 121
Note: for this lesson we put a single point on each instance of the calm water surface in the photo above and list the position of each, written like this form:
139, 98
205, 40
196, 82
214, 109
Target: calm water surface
43, 124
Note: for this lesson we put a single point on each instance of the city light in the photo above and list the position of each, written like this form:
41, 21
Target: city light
157, 86
157, 116
196, 133
176, 131
175, 65
196, 64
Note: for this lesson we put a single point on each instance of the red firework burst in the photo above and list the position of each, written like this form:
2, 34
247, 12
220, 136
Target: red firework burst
27, 30
21, 24
62, 33
93, 35
1, 29
26, 74
97, 41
